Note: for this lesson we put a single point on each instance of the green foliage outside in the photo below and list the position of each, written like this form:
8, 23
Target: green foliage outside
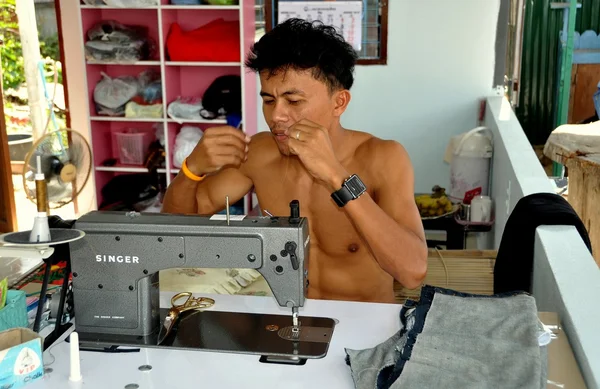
13, 74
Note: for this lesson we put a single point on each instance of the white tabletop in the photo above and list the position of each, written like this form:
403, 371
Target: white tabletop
361, 325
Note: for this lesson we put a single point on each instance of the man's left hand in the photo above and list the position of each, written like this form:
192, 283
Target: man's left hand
311, 143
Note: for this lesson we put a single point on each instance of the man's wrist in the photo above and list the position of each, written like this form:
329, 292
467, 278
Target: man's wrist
193, 168
191, 172
336, 179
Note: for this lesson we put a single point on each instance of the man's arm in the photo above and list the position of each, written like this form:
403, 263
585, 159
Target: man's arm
391, 225
221, 156
208, 196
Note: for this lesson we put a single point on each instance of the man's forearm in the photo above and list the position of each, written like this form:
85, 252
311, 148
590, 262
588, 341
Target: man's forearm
181, 196
398, 250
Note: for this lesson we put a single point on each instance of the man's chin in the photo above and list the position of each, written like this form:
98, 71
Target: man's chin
283, 149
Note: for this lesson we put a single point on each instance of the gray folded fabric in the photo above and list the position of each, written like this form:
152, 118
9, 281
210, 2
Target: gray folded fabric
455, 340
365, 365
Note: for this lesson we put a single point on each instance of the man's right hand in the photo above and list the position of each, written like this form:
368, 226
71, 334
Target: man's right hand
218, 147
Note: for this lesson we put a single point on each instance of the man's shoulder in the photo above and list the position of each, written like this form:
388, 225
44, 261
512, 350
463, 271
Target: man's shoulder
262, 149
379, 150
262, 137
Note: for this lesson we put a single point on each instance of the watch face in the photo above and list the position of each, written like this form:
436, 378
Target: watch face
355, 186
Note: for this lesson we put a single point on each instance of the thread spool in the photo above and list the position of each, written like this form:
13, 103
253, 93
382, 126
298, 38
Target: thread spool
41, 188
40, 231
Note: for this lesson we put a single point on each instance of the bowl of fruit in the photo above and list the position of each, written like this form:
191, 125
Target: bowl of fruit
436, 204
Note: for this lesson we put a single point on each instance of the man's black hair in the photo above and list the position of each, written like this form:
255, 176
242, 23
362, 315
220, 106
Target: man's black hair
301, 45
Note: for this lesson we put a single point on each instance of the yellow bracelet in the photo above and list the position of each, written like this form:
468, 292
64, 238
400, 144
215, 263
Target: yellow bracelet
189, 174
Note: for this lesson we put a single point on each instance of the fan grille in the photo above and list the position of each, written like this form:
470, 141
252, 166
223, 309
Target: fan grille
66, 163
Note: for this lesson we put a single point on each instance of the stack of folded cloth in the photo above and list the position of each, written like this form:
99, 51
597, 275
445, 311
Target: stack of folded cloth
450, 339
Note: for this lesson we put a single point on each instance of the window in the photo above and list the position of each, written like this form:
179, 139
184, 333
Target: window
374, 27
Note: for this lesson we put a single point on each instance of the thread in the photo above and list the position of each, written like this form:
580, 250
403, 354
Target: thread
41, 190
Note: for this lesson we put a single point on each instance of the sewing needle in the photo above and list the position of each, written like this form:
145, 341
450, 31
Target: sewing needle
227, 208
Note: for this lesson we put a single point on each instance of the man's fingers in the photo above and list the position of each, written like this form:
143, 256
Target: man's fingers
224, 160
229, 150
224, 131
229, 140
306, 126
295, 146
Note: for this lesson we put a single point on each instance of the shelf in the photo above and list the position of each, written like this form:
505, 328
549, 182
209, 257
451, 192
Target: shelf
102, 7
126, 169
111, 63
187, 81
187, 67
202, 7
199, 121
182, 63
124, 119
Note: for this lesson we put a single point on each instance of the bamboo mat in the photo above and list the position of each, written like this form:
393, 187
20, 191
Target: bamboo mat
469, 271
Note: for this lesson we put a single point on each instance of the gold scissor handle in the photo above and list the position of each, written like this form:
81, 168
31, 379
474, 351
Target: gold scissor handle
191, 302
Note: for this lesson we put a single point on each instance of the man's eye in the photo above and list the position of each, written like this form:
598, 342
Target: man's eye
268, 101
294, 102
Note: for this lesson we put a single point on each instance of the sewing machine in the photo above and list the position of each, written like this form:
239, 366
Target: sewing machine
116, 281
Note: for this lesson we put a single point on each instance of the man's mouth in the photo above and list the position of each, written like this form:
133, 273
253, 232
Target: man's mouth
281, 137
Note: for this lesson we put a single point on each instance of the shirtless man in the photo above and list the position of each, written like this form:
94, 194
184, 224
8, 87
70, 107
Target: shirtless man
358, 248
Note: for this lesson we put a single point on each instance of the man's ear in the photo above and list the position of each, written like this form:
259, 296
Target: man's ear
341, 100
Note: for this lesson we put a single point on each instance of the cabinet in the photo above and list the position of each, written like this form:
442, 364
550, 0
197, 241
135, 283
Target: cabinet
181, 76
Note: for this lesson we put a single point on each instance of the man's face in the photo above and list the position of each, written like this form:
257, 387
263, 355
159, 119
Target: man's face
291, 96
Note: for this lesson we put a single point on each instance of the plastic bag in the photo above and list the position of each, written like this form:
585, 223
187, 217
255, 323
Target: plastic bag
150, 86
185, 108
185, 142
111, 94
135, 110
112, 41
160, 134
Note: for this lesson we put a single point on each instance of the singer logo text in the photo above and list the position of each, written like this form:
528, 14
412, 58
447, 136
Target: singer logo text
117, 258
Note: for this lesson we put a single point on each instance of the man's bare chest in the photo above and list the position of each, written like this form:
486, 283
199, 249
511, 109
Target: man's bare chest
331, 230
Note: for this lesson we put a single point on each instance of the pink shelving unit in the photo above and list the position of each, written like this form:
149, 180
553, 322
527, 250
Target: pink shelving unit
178, 79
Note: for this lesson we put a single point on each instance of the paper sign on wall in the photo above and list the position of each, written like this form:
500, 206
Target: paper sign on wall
345, 16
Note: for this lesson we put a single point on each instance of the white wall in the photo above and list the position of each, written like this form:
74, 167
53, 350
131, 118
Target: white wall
566, 280
440, 63
565, 275
516, 170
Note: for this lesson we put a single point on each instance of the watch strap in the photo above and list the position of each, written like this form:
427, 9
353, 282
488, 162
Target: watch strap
342, 196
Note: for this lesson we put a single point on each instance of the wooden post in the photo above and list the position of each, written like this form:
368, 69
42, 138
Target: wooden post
577, 146
31, 57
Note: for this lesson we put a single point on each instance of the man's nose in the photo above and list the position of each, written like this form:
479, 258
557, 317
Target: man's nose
279, 113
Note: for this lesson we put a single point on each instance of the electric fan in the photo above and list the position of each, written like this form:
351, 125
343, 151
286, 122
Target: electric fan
66, 162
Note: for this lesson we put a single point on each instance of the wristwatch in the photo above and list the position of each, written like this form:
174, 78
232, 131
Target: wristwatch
351, 189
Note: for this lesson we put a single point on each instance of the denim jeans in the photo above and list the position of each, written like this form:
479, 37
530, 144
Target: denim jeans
457, 340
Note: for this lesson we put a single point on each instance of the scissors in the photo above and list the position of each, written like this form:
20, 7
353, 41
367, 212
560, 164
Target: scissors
191, 303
